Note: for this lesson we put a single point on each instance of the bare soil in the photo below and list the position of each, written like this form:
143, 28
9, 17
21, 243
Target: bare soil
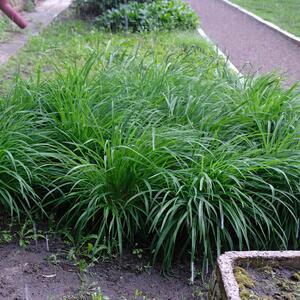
50, 275
31, 269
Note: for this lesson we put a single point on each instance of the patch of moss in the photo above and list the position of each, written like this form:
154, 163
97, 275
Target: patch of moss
245, 283
284, 296
243, 279
296, 276
286, 285
268, 270
288, 288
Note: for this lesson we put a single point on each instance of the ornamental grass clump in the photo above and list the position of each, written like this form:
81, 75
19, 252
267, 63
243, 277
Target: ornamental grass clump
168, 148
17, 195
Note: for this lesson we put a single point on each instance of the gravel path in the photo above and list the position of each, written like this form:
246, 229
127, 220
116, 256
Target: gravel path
250, 45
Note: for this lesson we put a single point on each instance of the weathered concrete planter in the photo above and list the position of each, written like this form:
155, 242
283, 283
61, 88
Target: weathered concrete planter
224, 285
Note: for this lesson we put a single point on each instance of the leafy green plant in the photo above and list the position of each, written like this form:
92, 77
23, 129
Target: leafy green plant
97, 7
27, 234
156, 15
138, 252
5, 236
99, 296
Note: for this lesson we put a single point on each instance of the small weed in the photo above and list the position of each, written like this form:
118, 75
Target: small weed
145, 268
199, 294
53, 259
83, 265
99, 296
28, 233
138, 294
5, 236
138, 252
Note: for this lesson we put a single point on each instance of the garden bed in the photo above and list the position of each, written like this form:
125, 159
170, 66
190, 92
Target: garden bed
145, 139
51, 275
39, 264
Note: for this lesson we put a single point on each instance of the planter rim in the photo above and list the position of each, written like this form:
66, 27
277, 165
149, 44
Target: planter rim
227, 261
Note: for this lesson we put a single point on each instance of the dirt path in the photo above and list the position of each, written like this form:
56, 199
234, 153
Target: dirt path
250, 45
43, 15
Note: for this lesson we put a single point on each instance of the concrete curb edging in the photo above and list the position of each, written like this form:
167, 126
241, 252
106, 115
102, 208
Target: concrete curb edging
228, 287
220, 53
271, 25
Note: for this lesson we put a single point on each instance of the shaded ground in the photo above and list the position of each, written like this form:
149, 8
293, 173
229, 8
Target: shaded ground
50, 275
250, 45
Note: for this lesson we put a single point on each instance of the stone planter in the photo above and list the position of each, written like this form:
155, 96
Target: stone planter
224, 285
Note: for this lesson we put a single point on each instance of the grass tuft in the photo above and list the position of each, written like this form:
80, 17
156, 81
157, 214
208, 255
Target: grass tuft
163, 146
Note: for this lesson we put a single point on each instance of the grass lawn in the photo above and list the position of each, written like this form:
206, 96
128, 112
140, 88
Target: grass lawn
6, 28
3, 26
284, 13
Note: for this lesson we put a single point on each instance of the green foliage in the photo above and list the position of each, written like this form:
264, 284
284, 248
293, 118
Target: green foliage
164, 146
156, 15
16, 161
5, 236
99, 296
28, 233
97, 7
5, 25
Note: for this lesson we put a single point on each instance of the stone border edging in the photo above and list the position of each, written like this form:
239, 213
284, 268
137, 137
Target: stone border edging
271, 25
227, 261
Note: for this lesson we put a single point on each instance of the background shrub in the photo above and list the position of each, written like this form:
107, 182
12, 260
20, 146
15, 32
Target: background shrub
156, 15
97, 7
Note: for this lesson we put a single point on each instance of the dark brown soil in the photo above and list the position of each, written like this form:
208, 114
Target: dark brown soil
49, 275
30, 269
